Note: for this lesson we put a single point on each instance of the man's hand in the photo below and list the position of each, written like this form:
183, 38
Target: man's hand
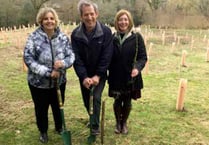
95, 80
87, 82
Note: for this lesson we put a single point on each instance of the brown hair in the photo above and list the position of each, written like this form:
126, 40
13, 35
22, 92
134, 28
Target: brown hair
119, 14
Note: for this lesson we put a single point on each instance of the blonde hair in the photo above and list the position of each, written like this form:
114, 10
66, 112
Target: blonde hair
43, 11
119, 14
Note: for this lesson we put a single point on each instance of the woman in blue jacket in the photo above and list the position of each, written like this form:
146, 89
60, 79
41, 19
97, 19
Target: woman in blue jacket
47, 54
129, 58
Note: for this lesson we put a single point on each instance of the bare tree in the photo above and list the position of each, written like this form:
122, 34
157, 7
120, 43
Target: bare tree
156, 12
7, 10
155, 4
37, 4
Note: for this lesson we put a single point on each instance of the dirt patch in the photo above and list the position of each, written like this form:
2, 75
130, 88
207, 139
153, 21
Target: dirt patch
9, 53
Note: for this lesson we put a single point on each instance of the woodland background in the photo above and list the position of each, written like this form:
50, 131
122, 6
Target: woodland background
158, 13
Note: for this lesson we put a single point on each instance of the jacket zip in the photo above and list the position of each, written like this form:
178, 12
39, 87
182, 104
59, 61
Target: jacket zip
50, 42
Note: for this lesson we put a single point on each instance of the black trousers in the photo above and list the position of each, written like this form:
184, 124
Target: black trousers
96, 101
42, 98
123, 101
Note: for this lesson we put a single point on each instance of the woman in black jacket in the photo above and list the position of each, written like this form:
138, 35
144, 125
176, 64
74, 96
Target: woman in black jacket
129, 58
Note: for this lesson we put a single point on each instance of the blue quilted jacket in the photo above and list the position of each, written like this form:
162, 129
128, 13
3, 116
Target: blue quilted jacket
40, 53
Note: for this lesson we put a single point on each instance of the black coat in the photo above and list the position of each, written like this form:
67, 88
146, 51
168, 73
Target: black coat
92, 57
123, 62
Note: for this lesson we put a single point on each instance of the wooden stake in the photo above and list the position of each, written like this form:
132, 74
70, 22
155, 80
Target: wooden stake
24, 67
207, 55
192, 43
179, 39
102, 122
163, 38
147, 65
174, 36
183, 58
150, 48
181, 94
145, 40
208, 43
204, 38
173, 47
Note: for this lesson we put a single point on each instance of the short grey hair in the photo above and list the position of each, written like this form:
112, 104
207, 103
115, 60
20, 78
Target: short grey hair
87, 3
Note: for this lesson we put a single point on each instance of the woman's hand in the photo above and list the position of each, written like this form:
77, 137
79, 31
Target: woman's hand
58, 64
134, 72
55, 74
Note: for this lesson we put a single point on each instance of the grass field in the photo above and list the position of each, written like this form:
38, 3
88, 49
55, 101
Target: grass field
153, 120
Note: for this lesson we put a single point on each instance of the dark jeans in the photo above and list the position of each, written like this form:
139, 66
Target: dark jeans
96, 101
42, 98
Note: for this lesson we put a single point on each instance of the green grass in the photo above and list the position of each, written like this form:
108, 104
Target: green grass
153, 120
